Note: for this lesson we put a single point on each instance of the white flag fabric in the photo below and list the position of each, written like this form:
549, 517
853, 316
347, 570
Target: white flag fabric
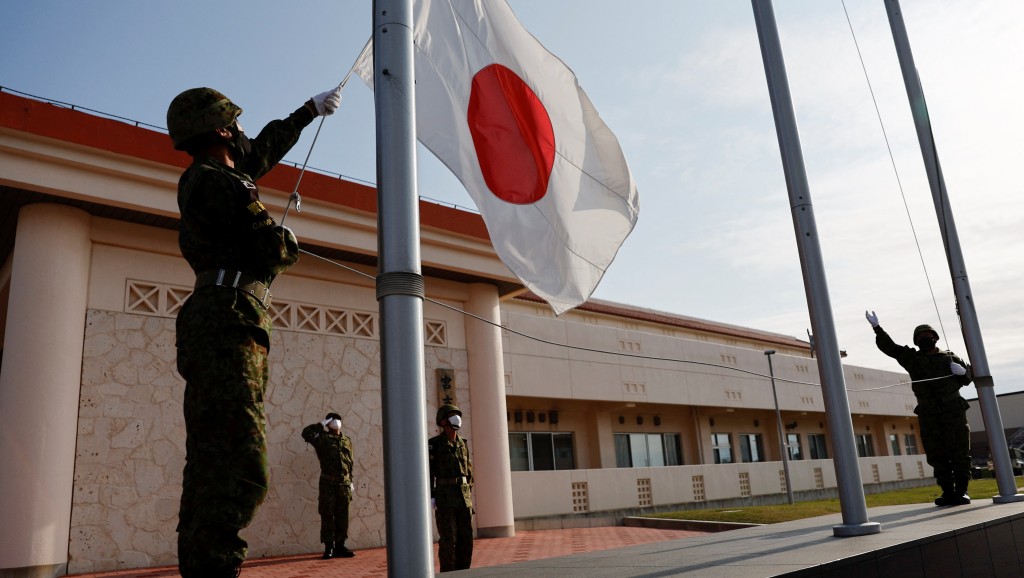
510, 120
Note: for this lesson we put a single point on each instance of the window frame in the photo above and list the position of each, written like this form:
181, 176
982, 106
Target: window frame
530, 459
624, 448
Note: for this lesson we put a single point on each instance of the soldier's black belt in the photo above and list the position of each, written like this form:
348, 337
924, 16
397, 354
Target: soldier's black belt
235, 280
452, 481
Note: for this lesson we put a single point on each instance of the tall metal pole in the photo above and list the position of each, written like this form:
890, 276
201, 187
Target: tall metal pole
833, 387
778, 423
400, 295
957, 269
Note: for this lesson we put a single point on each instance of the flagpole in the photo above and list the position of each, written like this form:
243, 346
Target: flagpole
400, 295
957, 269
833, 387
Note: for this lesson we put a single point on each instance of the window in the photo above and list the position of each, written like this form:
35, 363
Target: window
536, 451
894, 443
793, 447
751, 448
910, 443
817, 446
865, 448
721, 446
645, 450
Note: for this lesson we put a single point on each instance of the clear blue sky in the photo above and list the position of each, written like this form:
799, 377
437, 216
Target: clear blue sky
682, 85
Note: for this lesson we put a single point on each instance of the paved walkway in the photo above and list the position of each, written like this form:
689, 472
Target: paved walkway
525, 546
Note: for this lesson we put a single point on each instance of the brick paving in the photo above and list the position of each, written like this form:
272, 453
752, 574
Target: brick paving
525, 545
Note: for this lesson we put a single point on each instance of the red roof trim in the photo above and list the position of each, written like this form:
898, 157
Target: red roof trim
73, 126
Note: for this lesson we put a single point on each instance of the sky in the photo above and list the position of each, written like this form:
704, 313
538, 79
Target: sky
682, 85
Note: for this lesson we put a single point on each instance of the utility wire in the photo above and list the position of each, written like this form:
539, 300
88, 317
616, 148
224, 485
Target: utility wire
892, 160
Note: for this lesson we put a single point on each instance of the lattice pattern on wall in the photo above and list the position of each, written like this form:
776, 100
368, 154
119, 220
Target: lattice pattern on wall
744, 484
435, 333
874, 473
899, 471
643, 491
819, 479
698, 489
920, 469
162, 300
580, 497
782, 481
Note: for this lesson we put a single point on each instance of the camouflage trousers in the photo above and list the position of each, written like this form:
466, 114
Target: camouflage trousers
333, 508
225, 477
455, 538
947, 446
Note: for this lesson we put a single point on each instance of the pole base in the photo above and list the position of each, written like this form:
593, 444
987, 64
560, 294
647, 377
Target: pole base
847, 530
1008, 499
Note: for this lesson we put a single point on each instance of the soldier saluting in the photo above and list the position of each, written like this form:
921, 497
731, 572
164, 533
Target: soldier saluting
941, 412
334, 450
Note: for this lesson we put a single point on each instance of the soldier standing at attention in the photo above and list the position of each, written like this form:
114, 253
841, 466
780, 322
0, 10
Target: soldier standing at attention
223, 330
451, 491
941, 412
334, 450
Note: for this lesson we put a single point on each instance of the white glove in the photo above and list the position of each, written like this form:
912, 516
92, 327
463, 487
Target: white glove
352, 487
328, 101
957, 369
325, 422
872, 318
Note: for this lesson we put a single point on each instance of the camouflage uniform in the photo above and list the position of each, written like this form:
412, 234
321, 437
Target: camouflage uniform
223, 336
451, 487
941, 411
335, 455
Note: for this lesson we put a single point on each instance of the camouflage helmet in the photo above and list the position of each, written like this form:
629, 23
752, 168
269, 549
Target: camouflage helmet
446, 410
197, 111
923, 328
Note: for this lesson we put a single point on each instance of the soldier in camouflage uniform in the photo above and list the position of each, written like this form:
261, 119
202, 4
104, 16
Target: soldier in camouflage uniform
451, 491
334, 450
941, 412
223, 330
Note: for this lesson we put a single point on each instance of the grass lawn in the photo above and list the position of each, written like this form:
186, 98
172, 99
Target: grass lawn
982, 489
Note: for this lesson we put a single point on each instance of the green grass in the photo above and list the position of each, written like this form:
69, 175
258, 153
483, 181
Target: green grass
978, 489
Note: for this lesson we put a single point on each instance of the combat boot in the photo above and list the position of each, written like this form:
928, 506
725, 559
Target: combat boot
960, 497
340, 551
948, 494
328, 550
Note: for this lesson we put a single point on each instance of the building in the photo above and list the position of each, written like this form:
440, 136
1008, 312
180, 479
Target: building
618, 409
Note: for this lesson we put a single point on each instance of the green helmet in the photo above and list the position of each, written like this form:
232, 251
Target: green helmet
198, 111
926, 327
446, 410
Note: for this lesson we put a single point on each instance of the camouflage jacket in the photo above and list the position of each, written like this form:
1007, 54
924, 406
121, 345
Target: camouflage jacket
225, 226
934, 396
333, 451
449, 461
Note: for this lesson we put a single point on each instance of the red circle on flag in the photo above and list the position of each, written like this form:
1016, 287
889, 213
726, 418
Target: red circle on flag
512, 135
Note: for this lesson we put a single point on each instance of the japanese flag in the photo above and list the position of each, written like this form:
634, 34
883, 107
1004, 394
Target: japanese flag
510, 120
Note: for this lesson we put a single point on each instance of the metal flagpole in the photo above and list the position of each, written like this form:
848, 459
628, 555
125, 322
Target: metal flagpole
400, 295
784, 450
833, 388
957, 269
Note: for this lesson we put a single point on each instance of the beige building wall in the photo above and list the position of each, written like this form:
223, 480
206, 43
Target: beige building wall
324, 357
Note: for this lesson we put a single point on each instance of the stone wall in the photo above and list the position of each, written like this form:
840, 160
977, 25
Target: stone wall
131, 440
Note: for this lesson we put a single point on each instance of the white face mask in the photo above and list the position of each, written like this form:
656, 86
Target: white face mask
455, 421
334, 424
